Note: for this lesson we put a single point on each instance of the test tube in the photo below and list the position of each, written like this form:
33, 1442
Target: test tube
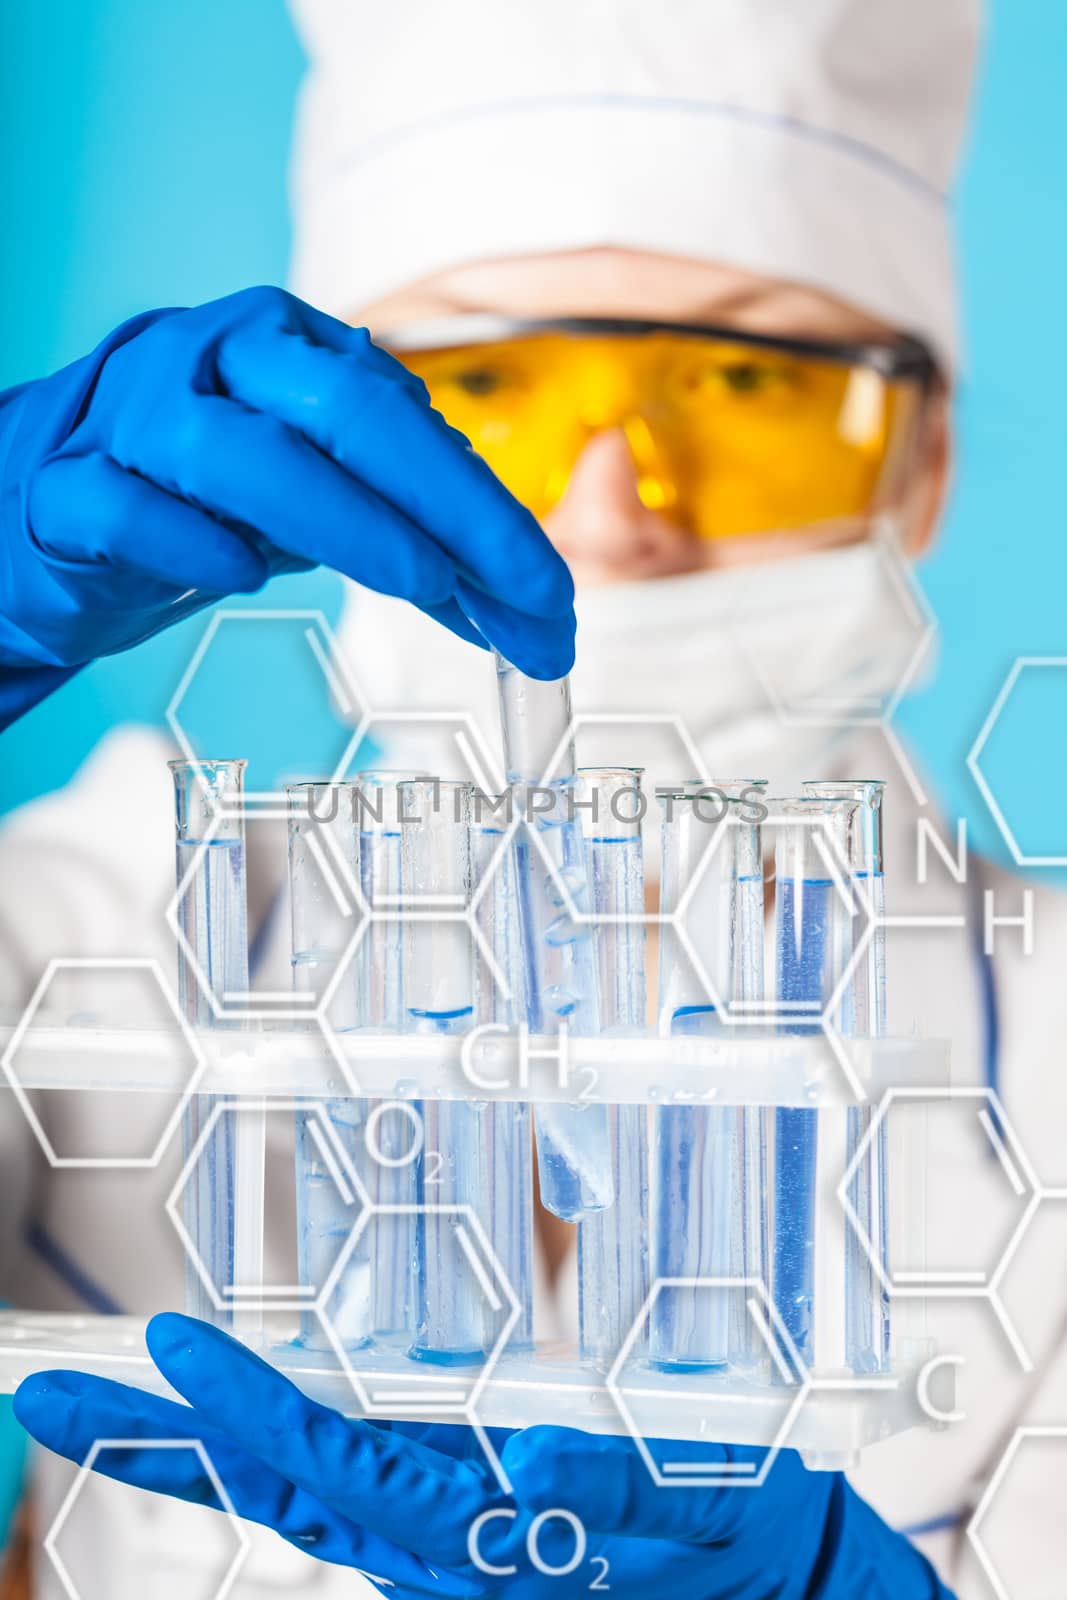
816, 921
507, 1145
867, 1300
323, 871
613, 1244
709, 1162
439, 999
863, 842
573, 1153
390, 1171
223, 1200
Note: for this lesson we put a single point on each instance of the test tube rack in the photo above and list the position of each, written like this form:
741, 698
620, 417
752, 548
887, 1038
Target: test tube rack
828, 1416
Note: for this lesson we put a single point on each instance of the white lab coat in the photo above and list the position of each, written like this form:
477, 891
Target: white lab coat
88, 872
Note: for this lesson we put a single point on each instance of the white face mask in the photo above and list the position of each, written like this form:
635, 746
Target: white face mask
768, 667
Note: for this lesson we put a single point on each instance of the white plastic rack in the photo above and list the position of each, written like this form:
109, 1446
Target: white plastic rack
829, 1417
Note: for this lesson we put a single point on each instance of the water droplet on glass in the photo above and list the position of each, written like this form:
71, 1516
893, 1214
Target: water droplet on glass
560, 1000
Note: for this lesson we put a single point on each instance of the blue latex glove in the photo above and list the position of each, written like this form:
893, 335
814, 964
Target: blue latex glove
197, 453
399, 1502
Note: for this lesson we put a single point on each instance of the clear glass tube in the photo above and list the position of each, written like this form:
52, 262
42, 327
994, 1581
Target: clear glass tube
392, 1181
507, 1144
535, 723
709, 1175
869, 1334
323, 868
863, 843
439, 987
222, 1211
209, 831
613, 1244
824, 1304
573, 1153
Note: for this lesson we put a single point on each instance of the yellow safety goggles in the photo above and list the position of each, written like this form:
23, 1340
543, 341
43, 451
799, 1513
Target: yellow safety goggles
731, 433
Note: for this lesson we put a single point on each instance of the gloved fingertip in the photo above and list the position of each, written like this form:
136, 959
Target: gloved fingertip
551, 593
172, 1323
172, 1338
450, 615
45, 1402
252, 579
546, 658
45, 1385
31, 1393
548, 671
192, 1355
237, 568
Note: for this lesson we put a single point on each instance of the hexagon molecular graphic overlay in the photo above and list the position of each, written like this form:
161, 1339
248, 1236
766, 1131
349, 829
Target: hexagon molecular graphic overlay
206, 1550
1020, 772
843, 904
447, 744
206, 913
131, 999
1018, 1531
215, 1159
985, 1132
658, 742
906, 629
628, 1383
287, 664
328, 902
430, 1387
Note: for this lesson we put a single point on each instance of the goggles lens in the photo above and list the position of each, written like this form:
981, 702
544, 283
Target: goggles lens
727, 438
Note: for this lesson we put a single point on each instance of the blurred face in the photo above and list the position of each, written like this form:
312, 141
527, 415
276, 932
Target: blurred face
605, 521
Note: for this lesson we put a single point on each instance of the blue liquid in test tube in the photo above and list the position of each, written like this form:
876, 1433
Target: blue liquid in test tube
867, 1308
573, 1151
709, 1162
801, 911
439, 988
323, 872
507, 1144
210, 862
816, 927
613, 1244
390, 1172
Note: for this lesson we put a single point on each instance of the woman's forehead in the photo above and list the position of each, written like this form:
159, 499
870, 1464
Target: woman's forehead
616, 282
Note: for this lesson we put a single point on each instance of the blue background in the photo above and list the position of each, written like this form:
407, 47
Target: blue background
143, 158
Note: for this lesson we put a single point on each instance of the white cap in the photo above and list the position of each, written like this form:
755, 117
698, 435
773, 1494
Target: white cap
809, 140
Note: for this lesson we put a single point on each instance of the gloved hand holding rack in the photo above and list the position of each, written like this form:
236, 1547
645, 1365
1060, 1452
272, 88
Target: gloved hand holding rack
740, 1198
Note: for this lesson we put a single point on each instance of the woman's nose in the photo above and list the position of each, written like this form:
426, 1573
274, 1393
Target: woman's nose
602, 529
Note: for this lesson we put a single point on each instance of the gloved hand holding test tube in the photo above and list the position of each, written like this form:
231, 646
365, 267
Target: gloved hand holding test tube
573, 1148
